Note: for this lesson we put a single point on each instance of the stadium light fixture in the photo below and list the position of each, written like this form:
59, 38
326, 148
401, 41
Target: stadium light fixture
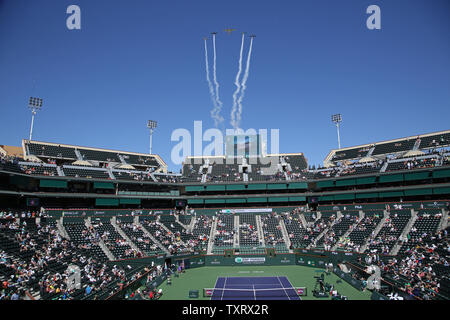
35, 104
151, 124
337, 119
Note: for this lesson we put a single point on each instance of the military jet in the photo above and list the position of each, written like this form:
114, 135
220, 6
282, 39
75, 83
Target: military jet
229, 30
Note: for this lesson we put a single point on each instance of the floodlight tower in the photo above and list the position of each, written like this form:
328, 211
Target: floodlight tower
151, 124
337, 119
34, 104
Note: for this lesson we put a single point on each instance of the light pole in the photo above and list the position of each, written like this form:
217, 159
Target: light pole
151, 124
34, 104
337, 119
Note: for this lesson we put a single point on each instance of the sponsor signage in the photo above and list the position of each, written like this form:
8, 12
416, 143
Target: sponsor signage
301, 291
255, 260
250, 210
72, 213
435, 204
215, 261
209, 292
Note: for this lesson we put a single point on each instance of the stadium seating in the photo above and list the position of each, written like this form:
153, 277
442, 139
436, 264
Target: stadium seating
50, 151
202, 230
223, 238
113, 240
138, 237
248, 234
363, 230
390, 232
273, 237
338, 229
423, 229
38, 169
85, 173
84, 239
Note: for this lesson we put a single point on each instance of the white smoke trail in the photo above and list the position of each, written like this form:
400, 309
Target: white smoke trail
244, 81
215, 113
210, 85
238, 86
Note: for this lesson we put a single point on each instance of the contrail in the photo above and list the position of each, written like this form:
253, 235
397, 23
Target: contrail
238, 86
215, 113
211, 89
244, 81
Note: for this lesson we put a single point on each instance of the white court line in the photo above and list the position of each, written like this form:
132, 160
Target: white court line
283, 288
224, 286
254, 292
217, 279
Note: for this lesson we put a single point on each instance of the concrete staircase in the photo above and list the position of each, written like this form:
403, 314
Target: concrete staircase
444, 220
375, 232
237, 231
111, 176
303, 220
61, 230
124, 235
192, 224
60, 171
285, 233
259, 228
185, 226
212, 235
404, 234
361, 215
416, 144
318, 215
177, 219
122, 159
153, 177
78, 154
138, 223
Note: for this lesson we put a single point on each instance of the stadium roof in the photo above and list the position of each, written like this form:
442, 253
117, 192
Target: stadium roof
11, 151
157, 157
367, 146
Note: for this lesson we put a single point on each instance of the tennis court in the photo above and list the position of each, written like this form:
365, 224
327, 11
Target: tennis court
253, 288
206, 277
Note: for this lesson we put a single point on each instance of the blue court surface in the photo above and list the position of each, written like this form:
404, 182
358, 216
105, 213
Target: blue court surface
254, 288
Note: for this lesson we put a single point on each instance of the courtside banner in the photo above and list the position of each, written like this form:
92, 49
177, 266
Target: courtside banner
253, 260
250, 210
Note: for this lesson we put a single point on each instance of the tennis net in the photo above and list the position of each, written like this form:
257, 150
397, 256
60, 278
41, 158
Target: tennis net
253, 293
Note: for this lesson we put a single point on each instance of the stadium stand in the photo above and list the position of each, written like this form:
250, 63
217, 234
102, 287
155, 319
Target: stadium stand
111, 230
224, 232
390, 232
273, 236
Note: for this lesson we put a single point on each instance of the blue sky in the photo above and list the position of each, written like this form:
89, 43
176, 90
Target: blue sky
137, 60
